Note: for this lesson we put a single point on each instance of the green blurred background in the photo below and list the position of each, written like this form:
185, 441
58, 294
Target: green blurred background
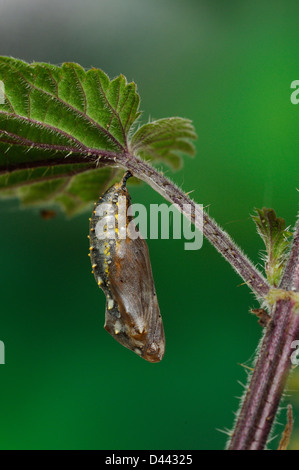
227, 66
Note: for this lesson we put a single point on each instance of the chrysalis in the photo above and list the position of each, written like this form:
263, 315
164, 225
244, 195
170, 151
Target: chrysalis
121, 266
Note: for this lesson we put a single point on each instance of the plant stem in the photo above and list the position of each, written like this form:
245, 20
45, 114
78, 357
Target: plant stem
290, 278
144, 171
217, 237
268, 380
267, 383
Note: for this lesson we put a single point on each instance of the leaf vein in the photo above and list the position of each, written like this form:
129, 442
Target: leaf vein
82, 89
47, 126
113, 110
70, 107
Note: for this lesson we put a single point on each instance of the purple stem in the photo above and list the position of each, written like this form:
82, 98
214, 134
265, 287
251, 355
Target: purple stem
144, 171
268, 380
217, 237
266, 386
290, 278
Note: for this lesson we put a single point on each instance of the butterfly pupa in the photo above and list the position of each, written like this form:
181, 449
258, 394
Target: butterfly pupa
122, 269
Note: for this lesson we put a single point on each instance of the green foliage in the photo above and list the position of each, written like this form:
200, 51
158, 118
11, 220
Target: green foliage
164, 140
275, 235
52, 116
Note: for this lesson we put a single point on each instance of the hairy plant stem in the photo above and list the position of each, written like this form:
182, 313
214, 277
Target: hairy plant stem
144, 171
217, 237
290, 278
267, 383
265, 389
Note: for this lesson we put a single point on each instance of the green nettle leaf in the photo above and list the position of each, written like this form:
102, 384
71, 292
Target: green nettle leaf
275, 235
164, 140
55, 123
